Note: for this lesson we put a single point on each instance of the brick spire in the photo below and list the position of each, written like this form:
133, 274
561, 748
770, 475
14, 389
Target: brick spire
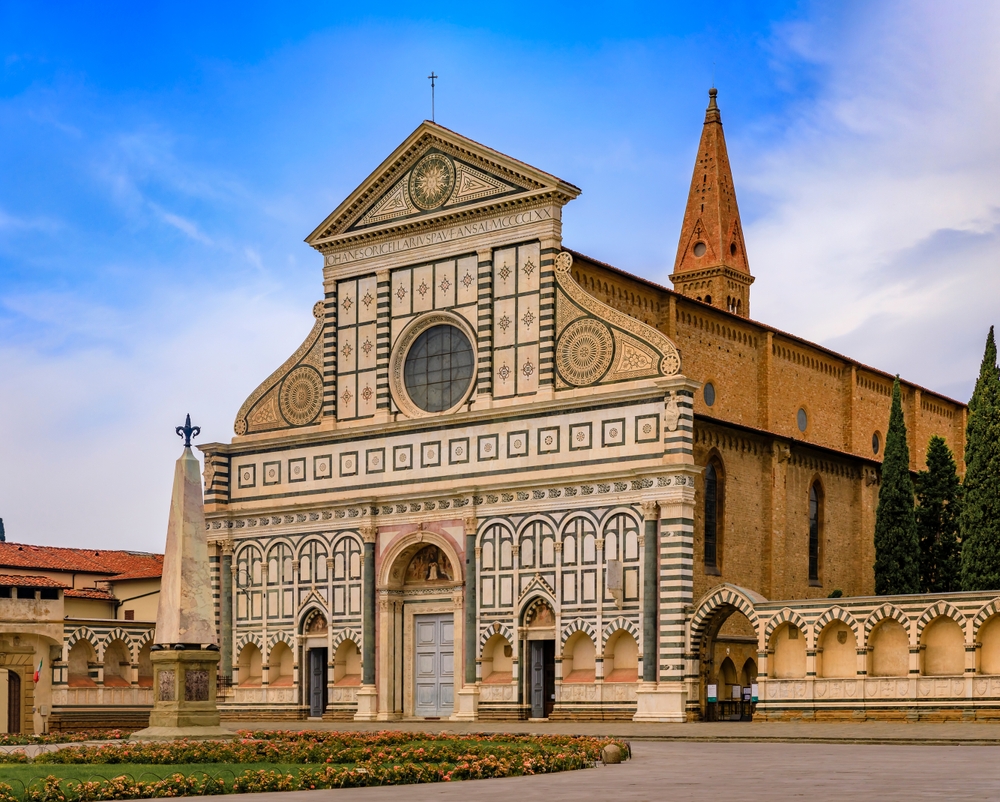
711, 263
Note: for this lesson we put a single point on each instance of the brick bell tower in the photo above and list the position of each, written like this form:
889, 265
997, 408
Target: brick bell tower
711, 264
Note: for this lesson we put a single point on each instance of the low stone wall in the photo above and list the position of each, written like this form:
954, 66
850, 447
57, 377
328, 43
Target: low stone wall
910, 657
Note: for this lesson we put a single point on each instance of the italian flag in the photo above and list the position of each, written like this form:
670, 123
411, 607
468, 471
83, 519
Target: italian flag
38, 671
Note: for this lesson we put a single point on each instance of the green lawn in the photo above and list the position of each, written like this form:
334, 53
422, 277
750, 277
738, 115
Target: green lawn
25, 773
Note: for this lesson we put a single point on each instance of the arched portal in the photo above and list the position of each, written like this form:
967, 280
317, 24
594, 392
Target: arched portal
420, 616
724, 637
538, 622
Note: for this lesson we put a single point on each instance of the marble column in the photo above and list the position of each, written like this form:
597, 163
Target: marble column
651, 564
226, 609
367, 694
468, 695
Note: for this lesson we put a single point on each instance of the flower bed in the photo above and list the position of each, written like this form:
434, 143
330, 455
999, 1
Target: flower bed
7, 739
323, 760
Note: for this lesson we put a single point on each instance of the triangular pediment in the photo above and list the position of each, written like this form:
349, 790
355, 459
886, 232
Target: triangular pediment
435, 174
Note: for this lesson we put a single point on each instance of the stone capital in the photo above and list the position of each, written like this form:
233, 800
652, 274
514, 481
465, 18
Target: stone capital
484, 254
369, 532
599, 544
651, 510
471, 525
227, 547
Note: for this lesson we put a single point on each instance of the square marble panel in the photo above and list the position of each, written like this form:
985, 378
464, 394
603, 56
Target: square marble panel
613, 432
349, 463
246, 476
402, 457
580, 436
272, 473
297, 469
375, 460
517, 443
430, 454
647, 428
489, 447
548, 440
458, 451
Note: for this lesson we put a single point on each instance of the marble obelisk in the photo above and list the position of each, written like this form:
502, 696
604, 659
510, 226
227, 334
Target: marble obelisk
185, 652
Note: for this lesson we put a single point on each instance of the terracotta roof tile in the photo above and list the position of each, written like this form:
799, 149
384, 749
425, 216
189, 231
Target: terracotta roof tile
91, 561
30, 581
88, 593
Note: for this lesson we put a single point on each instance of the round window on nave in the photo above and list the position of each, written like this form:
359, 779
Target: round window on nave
438, 368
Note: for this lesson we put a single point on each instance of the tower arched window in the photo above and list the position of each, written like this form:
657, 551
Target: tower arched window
714, 498
815, 529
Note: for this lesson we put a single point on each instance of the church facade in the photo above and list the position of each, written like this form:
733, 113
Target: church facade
501, 479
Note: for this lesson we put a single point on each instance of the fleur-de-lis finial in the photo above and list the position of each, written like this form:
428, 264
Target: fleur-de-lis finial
187, 431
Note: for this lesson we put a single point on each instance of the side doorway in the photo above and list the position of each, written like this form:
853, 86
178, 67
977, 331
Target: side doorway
13, 702
542, 677
317, 682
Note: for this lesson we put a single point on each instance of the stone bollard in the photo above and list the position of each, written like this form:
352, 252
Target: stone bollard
611, 753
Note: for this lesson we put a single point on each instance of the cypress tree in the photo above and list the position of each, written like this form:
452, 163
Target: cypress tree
897, 549
980, 518
937, 520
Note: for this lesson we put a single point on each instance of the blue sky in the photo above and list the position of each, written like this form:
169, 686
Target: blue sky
160, 165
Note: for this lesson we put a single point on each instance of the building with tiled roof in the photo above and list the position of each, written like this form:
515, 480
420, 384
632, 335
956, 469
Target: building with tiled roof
87, 617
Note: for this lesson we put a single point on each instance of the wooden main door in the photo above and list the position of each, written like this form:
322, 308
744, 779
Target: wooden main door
434, 674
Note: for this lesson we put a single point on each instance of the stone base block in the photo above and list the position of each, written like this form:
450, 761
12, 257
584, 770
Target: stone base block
468, 704
187, 733
367, 704
184, 697
661, 702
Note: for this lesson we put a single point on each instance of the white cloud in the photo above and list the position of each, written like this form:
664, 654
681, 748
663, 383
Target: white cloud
896, 157
89, 444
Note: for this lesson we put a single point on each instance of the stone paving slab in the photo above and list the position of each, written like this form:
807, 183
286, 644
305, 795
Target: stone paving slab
868, 732
709, 772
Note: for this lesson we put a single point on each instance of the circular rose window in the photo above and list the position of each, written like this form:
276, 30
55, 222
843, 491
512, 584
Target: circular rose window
438, 368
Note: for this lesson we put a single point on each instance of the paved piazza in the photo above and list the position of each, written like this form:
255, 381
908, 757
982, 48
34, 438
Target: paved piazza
691, 772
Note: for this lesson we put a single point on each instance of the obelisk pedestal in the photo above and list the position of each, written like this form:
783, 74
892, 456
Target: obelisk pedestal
185, 651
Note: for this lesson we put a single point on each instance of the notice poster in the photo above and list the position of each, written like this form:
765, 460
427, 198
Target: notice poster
713, 693
753, 692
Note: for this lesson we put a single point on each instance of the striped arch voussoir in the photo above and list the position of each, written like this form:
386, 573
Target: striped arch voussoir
882, 613
725, 596
83, 633
578, 625
784, 615
936, 610
985, 614
249, 637
837, 614
346, 634
617, 624
118, 634
284, 637
493, 629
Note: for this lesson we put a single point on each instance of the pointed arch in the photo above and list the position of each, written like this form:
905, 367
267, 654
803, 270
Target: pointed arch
725, 596
789, 616
616, 625
250, 637
987, 612
288, 638
118, 634
83, 633
882, 613
577, 625
936, 610
837, 614
496, 628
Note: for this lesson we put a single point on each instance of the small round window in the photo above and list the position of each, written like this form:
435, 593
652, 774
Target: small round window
709, 393
438, 368
802, 419
700, 248
876, 443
